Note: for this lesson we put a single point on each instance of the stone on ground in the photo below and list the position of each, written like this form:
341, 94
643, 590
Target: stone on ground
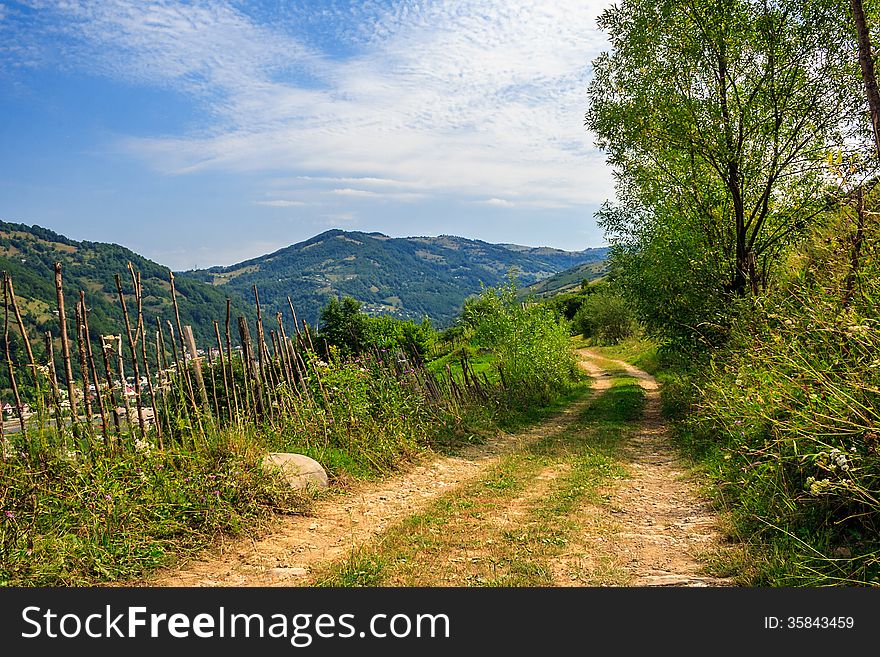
298, 470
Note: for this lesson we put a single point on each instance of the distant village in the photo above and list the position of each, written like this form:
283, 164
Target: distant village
10, 412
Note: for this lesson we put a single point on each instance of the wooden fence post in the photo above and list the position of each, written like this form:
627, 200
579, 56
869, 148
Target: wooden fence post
190, 342
65, 349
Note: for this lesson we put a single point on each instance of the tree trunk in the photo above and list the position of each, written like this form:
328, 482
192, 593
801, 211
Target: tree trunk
866, 61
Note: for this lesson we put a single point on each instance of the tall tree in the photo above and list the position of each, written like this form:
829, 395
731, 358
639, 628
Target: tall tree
716, 115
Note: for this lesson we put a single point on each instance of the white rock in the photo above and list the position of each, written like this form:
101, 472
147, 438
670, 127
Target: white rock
298, 470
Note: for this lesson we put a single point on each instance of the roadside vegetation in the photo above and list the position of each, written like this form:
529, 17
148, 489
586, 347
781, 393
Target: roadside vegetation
744, 238
153, 448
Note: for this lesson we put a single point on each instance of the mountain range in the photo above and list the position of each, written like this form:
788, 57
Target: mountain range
409, 277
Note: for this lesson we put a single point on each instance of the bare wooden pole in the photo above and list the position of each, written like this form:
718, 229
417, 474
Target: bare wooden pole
229, 355
94, 370
247, 355
277, 357
178, 366
308, 335
132, 346
301, 370
22, 330
285, 355
139, 297
18, 405
295, 320
226, 389
83, 366
185, 372
213, 384
65, 348
108, 371
261, 349
53, 383
190, 342
120, 362
271, 372
162, 374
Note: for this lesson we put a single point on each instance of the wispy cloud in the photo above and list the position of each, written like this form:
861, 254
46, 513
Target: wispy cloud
470, 99
354, 192
282, 203
498, 202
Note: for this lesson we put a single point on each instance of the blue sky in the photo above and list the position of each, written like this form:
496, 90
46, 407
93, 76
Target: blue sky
206, 133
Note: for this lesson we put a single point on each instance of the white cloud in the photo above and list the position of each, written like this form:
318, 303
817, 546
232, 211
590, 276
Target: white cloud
470, 99
498, 202
354, 192
282, 203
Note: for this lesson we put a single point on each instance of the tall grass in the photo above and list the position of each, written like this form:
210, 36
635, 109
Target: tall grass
788, 415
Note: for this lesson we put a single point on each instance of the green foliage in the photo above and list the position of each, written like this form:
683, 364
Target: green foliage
734, 129
605, 317
342, 325
529, 341
789, 411
673, 282
345, 327
69, 520
717, 117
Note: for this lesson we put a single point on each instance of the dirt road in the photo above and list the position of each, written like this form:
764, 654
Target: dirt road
648, 527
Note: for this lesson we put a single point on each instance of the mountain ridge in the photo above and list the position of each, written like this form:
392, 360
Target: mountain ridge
28, 254
410, 277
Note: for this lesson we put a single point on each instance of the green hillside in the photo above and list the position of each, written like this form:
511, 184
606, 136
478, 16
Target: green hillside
408, 277
565, 281
29, 253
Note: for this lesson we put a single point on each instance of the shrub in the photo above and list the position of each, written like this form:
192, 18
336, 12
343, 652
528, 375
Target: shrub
605, 317
529, 340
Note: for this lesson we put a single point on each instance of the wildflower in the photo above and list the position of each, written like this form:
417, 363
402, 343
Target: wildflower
108, 497
839, 459
817, 487
216, 492
10, 515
